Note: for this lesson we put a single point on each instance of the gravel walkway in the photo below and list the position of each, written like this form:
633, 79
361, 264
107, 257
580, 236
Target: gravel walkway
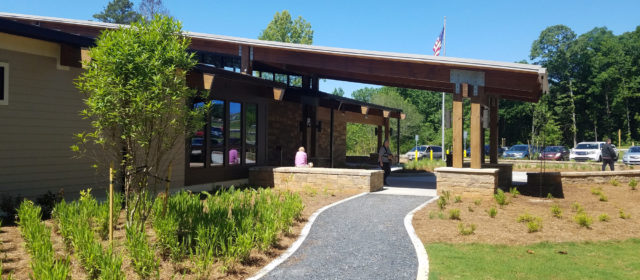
363, 238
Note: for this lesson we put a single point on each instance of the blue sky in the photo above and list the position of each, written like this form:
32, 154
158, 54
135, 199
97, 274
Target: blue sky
491, 30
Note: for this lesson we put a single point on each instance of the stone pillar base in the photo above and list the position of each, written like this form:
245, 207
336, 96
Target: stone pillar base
467, 182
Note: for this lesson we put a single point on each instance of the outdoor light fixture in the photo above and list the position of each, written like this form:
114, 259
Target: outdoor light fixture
207, 78
402, 116
386, 113
364, 109
278, 93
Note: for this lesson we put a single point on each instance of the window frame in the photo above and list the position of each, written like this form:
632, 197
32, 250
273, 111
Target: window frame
4, 99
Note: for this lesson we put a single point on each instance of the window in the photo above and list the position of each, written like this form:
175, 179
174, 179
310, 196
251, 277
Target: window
4, 83
235, 133
251, 114
216, 136
197, 152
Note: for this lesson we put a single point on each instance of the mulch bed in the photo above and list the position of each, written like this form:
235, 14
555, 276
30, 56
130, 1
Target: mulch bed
504, 229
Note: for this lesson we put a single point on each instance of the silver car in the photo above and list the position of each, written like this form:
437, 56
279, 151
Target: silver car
632, 156
424, 151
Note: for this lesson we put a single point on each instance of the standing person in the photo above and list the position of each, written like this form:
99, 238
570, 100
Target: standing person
384, 158
608, 155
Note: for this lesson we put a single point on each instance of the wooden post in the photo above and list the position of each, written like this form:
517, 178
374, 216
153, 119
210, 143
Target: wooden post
111, 204
386, 129
493, 129
456, 118
476, 133
246, 66
166, 191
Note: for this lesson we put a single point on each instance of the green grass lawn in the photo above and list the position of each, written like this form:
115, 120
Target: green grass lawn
590, 260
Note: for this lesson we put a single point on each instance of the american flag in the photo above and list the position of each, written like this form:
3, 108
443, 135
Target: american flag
438, 45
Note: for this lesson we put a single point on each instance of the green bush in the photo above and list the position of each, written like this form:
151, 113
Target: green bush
576, 207
37, 237
514, 192
492, 212
633, 184
556, 211
466, 230
457, 199
624, 215
142, 255
583, 219
102, 217
454, 214
603, 198
501, 198
603, 218
442, 202
614, 182
596, 191
535, 225
477, 202
526, 217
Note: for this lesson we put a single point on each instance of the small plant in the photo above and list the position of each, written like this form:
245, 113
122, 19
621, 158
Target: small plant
526, 217
624, 215
492, 212
142, 255
501, 198
583, 219
603, 218
466, 229
534, 225
603, 198
457, 199
477, 202
556, 211
576, 207
633, 184
432, 215
470, 209
442, 202
441, 215
454, 214
614, 182
549, 196
514, 192
596, 191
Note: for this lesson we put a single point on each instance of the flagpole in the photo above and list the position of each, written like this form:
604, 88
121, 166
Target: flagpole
444, 50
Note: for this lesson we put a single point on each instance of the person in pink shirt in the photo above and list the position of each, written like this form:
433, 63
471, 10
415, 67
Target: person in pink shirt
233, 156
301, 158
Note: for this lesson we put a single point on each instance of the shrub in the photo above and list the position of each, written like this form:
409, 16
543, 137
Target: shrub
37, 237
603, 198
442, 203
501, 198
596, 191
432, 215
470, 209
556, 211
614, 182
633, 184
102, 217
441, 215
143, 258
526, 217
583, 219
576, 207
549, 196
477, 202
466, 230
454, 214
624, 215
514, 192
492, 212
534, 225
457, 199
603, 218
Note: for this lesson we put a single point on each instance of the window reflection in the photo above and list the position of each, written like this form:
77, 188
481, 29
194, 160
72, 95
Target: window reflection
216, 136
251, 113
197, 153
235, 132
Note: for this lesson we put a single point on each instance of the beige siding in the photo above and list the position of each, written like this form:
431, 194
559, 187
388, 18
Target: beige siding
37, 127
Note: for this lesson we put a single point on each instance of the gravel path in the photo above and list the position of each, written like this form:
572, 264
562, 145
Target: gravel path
363, 238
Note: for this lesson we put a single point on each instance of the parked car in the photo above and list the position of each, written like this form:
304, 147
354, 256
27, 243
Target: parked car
520, 151
632, 156
588, 151
487, 150
554, 153
424, 151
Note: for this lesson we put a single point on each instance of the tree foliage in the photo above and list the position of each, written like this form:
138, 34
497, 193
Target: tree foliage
283, 29
118, 11
149, 8
136, 96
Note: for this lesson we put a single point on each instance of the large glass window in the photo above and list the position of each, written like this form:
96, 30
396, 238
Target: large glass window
216, 136
197, 148
251, 114
235, 133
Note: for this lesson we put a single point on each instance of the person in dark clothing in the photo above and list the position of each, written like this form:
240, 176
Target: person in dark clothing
384, 159
608, 155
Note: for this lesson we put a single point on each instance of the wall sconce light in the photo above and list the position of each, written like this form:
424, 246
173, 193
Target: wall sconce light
208, 80
364, 110
278, 93
319, 126
308, 122
403, 116
386, 113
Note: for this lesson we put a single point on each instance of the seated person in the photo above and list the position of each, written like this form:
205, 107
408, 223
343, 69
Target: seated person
233, 156
301, 158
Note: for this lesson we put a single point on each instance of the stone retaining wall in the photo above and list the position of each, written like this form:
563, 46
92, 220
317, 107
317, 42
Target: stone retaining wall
623, 177
467, 181
329, 178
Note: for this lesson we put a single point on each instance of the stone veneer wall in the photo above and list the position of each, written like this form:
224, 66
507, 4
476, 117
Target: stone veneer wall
598, 177
467, 181
329, 178
283, 131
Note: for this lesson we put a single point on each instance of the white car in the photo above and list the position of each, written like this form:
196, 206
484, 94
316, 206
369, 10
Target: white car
588, 151
632, 156
424, 151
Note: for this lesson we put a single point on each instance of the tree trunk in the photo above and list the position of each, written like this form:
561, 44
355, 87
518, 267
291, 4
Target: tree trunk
628, 122
574, 129
595, 129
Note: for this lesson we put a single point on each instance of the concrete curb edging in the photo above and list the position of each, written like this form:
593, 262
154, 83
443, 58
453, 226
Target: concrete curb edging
421, 252
303, 235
